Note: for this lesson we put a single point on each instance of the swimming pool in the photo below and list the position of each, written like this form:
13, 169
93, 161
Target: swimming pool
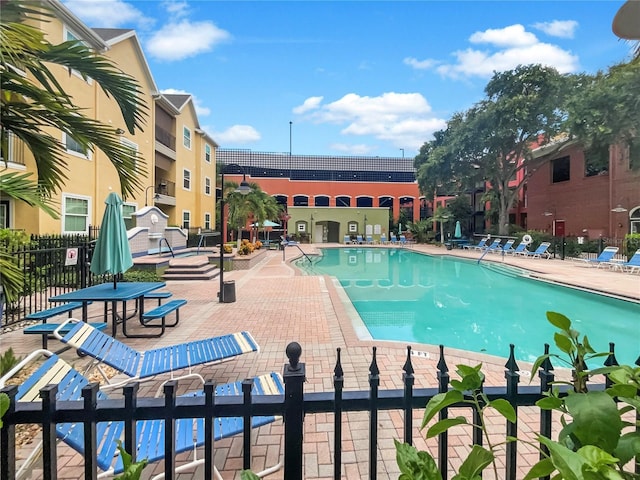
407, 296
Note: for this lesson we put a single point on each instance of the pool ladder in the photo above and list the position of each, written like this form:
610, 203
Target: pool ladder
169, 246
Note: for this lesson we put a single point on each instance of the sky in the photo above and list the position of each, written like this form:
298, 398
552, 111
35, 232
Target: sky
350, 77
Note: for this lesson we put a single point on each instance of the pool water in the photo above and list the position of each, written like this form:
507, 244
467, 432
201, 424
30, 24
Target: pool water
407, 296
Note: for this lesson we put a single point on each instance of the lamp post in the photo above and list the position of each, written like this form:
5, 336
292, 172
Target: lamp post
146, 190
243, 189
618, 225
402, 150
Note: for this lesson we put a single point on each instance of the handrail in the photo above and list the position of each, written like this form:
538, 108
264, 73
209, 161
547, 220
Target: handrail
295, 244
169, 246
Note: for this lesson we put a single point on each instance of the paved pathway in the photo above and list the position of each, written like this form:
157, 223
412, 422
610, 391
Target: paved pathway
278, 306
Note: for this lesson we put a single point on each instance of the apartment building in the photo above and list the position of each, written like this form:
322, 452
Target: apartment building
180, 173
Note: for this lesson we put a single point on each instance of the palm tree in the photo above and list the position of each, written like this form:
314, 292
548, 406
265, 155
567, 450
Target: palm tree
33, 104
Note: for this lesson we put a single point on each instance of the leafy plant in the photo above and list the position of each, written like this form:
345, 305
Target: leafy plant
8, 360
141, 276
4, 406
132, 471
415, 464
248, 475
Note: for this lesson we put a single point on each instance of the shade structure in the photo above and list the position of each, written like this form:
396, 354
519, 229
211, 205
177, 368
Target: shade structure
112, 253
266, 223
458, 232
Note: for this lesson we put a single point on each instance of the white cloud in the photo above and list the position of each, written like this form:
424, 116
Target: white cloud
403, 119
511, 36
184, 39
112, 14
558, 28
179, 8
201, 110
506, 49
419, 64
236, 135
310, 103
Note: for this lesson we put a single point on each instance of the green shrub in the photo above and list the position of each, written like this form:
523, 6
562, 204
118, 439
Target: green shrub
7, 361
631, 244
141, 276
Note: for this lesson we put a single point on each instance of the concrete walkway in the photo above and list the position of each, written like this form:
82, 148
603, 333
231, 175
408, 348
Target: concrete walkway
279, 306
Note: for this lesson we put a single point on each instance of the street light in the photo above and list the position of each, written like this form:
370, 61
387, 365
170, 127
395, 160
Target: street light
402, 150
155, 196
243, 189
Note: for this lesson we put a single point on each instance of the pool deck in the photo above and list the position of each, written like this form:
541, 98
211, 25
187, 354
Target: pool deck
279, 306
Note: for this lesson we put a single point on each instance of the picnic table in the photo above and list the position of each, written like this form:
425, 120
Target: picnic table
106, 293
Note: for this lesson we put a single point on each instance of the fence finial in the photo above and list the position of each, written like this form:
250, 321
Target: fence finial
373, 368
547, 366
611, 360
337, 371
511, 364
294, 351
442, 365
408, 366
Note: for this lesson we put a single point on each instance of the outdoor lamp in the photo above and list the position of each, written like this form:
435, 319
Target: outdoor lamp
243, 189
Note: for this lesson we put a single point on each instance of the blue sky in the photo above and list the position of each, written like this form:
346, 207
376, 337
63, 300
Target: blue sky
355, 78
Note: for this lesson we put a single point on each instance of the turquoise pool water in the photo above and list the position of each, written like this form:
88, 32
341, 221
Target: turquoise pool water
406, 296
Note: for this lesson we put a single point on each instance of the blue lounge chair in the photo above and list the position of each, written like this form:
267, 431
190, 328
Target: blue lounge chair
393, 239
495, 245
359, 239
502, 248
519, 250
383, 239
541, 251
478, 246
633, 264
105, 349
403, 240
347, 239
149, 439
369, 240
603, 259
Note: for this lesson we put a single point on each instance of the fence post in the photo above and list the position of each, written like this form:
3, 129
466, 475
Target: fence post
294, 377
49, 407
338, 383
8, 438
90, 398
408, 379
247, 385
374, 383
546, 378
443, 438
513, 378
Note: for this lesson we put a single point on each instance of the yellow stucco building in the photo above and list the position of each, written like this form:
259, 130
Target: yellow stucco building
179, 156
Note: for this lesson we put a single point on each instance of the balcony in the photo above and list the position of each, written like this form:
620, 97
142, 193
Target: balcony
166, 192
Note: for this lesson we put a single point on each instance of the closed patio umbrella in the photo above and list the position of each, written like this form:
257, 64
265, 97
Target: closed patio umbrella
458, 232
112, 253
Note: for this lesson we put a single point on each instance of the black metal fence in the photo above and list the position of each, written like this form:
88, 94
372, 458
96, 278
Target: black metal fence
293, 406
50, 265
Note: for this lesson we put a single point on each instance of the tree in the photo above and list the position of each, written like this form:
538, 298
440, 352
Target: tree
256, 203
494, 140
606, 109
33, 104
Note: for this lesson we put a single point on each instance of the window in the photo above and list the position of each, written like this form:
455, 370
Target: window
186, 179
127, 213
186, 219
132, 146
75, 214
186, 137
4, 214
596, 161
74, 147
560, 170
69, 36
207, 153
207, 186
634, 153
207, 221
302, 227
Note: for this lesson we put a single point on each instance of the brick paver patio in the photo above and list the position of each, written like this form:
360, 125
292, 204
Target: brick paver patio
278, 306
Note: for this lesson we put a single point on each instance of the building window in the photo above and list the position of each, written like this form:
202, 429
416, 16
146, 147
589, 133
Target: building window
560, 170
4, 214
596, 161
207, 186
634, 153
207, 153
69, 36
186, 219
127, 213
186, 137
302, 227
131, 146
186, 179
207, 221
74, 147
343, 201
75, 217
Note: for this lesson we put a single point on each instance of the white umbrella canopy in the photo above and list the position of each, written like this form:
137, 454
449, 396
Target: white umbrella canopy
266, 223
